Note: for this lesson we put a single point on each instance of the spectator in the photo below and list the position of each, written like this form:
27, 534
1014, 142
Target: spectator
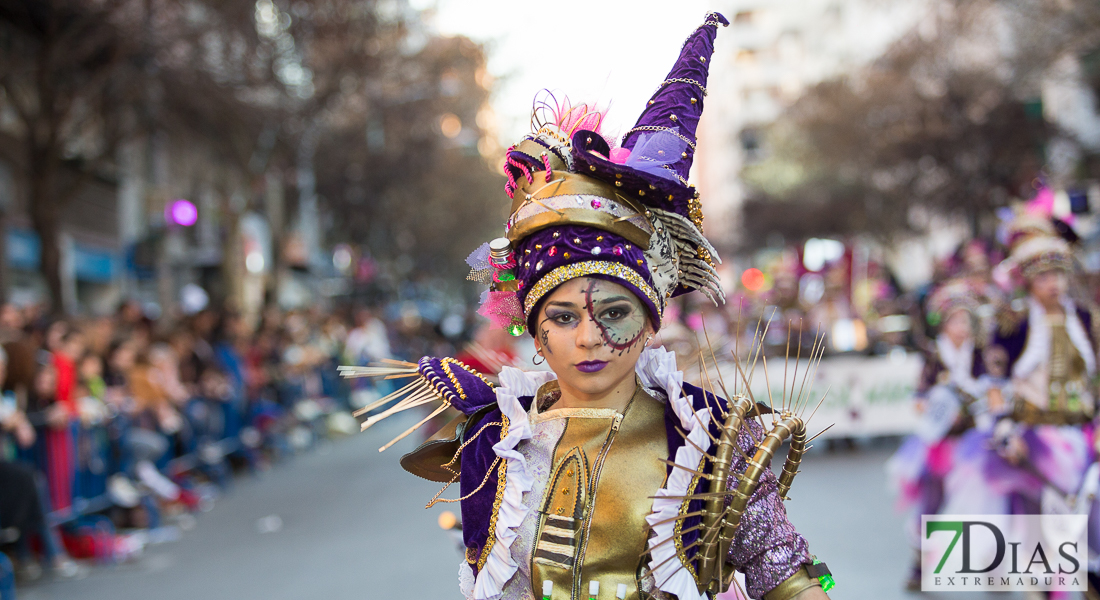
23, 507
368, 341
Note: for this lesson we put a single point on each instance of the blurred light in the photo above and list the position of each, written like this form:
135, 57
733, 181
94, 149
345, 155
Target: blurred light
447, 520
181, 212
849, 335
450, 125
254, 262
752, 279
894, 324
452, 325
818, 252
193, 299
341, 258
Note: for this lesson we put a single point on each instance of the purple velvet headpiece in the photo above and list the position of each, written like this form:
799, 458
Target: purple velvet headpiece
678, 102
553, 256
582, 208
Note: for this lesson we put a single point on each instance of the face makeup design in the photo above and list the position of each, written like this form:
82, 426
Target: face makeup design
544, 335
596, 329
620, 317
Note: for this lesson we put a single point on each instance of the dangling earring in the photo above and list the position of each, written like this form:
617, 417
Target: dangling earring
536, 357
648, 340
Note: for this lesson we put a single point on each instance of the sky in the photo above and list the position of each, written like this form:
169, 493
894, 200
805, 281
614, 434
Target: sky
605, 51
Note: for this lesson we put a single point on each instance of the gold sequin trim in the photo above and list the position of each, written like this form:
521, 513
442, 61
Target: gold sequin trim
695, 213
678, 527
564, 273
446, 364
436, 498
1047, 261
502, 479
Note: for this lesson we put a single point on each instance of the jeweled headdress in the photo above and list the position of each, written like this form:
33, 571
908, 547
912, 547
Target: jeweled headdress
584, 208
1039, 254
951, 296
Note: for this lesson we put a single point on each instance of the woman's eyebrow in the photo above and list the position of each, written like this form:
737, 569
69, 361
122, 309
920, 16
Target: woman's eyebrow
612, 299
562, 304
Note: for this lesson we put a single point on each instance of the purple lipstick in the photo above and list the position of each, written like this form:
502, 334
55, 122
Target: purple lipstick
591, 366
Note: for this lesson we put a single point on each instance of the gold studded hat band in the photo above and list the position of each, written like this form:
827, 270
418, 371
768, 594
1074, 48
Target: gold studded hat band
564, 273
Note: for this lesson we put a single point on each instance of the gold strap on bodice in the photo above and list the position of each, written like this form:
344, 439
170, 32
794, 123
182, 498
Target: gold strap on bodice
592, 519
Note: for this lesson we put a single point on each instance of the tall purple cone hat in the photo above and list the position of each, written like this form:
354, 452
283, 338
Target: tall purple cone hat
583, 208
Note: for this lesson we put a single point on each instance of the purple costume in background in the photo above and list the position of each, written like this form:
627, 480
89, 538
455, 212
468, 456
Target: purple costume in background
950, 395
918, 469
1045, 363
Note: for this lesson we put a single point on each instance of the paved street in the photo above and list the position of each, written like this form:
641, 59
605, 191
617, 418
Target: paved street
354, 527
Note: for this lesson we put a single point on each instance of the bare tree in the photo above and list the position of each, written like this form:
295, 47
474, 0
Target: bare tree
946, 122
64, 67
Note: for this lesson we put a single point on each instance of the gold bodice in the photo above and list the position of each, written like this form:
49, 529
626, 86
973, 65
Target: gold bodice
1058, 392
592, 518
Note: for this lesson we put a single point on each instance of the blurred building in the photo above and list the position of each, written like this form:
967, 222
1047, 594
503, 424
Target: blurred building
91, 252
772, 52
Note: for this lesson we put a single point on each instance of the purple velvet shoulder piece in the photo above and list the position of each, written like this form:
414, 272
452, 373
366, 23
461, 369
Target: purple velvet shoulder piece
478, 506
460, 385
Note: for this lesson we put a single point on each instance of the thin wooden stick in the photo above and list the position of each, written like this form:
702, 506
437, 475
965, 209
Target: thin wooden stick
689, 470
434, 414
813, 351
817, 365
386, 398
823, 397
818, 435
786, 362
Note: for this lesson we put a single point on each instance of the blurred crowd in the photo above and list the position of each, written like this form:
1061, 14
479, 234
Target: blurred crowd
113, 430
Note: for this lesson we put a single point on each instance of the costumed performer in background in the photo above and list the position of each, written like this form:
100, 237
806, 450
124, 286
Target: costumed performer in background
950, 394
1036, 458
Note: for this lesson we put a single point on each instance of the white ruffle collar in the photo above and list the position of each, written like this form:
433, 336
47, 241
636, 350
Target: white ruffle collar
1037, 347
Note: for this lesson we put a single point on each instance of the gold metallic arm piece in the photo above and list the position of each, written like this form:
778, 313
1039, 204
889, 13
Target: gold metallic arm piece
794, 458
787, 425
793, 586
720, 522
711, 554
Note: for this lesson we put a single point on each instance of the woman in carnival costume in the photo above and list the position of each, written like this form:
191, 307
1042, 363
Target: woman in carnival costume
608, 477
1042, 361
950, 395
